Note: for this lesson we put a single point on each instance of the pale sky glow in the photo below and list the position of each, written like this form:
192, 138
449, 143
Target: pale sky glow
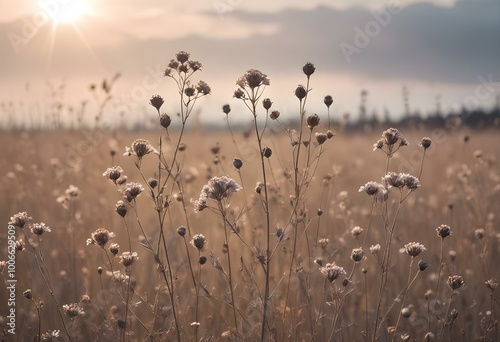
434, 48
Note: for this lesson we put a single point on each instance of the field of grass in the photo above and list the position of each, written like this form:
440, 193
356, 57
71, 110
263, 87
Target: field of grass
284, 246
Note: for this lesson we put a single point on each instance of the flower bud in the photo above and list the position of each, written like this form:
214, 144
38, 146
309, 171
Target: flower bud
267, 103
328, 100
308, 69
300, 92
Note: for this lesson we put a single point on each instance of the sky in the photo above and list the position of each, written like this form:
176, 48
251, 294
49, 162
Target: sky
441, 51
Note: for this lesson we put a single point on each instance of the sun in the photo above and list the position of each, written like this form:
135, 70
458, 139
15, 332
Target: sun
64, 11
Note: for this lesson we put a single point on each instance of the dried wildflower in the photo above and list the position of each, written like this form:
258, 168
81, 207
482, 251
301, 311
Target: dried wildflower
28, 294
128, 258
253, 79
330, 134
181, 230
332, 271
195, 324
429, 337
378, 145
20, 245
73, 310
226, 109
113, 173
281, 234
392, 136
20, 219
328, 100
300, 92
39, 228
375, 248
414, 248
319, 212
237, 163
189, 91
132, 190
452, 317
239, 94
140, 148
182, 56
443, 231
357, 254
165, 120
308, 69
114, 248
121, 208
376, 190
72, 192
219, 188
426, 143
258, 187
202, 260
122, 180
455, 282
422, 265
267, 152
267, 103
274, 115
100, 237
156, 101
356, 231
203, 88
312, 121
99, 270
405, 312
2, 265
319, 261
452, 254
199, 241
492, 284
195, 65
323, 242
50, 335
479, 233
400, 180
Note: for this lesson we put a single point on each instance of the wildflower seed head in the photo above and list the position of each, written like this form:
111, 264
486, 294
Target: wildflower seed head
113, 173
237, 163
202, 260
253, 79
281, 234
267, 152
267, 103
72, 192
492, 284
479, 233
443, 231
392, 136
426, 143
332, 271
239, 94
455, 282
203, 88
20, 245
20, 219
132, 190
375, 248
181, 230
189, 91
199, 241
319, 261
330, 134
165, 120
99, 270
195, 65
300, 92
167, 72
405, 312
100, 237
152, 182
378, 191
73, 310
356, 231
50, 335
182, 57
274, 115
308, 69
156, 101
219, 188
378, 145
429, 337
312, 121
258, 187
323, 242
452, 254
121, 208
328, 100
85, 299
422, 265
128, 258
357, 254
140, 148
122, 180
28, 294
226, 109
414, 248
39, 228
319, 212
2, 265
114, 248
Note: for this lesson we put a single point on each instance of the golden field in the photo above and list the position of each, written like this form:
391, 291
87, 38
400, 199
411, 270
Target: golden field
460, 187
